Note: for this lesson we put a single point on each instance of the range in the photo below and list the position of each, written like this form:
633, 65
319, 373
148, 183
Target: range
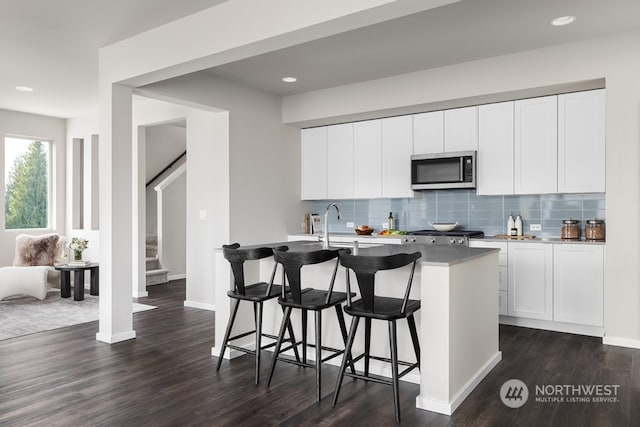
433, 237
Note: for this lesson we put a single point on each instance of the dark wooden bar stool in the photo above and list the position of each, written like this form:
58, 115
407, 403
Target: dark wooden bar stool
257, 293
371, 306
308, 299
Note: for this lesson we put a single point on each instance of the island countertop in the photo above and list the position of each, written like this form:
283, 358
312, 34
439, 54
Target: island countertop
431, 255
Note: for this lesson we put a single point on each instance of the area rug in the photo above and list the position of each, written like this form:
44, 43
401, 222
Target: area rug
27, 315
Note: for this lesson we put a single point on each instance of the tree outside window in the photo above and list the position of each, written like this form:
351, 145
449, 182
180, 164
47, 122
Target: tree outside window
26, 183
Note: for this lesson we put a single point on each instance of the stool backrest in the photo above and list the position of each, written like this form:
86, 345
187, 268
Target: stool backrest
237, 257
293, 263
366, 267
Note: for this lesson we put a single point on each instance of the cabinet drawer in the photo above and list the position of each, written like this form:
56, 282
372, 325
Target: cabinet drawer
502, 303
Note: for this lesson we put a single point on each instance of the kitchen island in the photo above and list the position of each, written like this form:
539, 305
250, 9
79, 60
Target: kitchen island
457, 323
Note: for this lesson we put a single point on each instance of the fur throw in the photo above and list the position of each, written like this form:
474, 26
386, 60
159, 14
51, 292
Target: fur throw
36, 250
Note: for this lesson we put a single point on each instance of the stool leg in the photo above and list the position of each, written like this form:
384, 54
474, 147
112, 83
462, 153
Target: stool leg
347, 352
276, 351
258, 338
414, 337
304, 336
318, 355
293, 338
367, 344
234, 310
394, 368
343, 330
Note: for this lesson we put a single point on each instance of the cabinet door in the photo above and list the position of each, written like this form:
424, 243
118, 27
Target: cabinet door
428, 132
536, 145
581, 142
530, 280
461, 129
495, 148
578, 284
367, 173
340, 161
313, 164
397, 147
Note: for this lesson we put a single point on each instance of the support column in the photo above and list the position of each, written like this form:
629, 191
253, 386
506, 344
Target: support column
116, 220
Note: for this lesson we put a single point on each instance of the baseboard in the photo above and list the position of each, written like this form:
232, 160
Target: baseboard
203, 306
176, 277
548, 325
112, 339
231, 353
448, 408
621, 342
140, 294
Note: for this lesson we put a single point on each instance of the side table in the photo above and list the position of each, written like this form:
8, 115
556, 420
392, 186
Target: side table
78, 280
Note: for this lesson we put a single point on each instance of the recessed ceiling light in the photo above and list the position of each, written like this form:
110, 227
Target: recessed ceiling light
563, 20
24, 88
289, 79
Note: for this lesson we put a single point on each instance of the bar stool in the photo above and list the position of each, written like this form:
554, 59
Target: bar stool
308, 299
371, 306
257, 293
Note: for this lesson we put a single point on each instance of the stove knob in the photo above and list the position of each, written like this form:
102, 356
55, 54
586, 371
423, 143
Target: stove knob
452, 241
461, 241
432, 240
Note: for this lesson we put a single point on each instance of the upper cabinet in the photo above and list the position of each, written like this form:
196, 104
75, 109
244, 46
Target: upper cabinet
495, 149
536, 146
313, 164
340, 155
367, 166
428, 132
461, 129
397, 147
581, 142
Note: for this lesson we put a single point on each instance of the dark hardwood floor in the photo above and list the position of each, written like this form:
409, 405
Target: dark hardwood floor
167, 377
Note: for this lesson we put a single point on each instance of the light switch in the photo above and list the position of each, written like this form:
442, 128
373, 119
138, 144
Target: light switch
203, 214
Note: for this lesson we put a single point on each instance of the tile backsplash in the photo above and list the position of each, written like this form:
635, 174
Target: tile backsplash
485, 213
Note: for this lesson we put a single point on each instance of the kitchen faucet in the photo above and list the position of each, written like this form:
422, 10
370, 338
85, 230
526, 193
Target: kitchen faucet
325, 244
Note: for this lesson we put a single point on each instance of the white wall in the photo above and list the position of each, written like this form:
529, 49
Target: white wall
614, 58
84, 128
13, 123
174, 229
264, 157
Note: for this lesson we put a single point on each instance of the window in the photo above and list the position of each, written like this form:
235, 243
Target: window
26, 183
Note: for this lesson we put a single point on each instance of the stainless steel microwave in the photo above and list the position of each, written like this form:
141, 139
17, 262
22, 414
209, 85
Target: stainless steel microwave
443, 170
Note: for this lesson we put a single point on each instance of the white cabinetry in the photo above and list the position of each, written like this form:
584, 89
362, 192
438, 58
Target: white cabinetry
461, 129
397, 147
313, 163
340, 158
578, 277
581, 142
503, 276
531, 280
367, 167
428, 132
536, 145
495, 148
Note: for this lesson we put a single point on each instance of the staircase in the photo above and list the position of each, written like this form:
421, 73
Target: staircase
154, 271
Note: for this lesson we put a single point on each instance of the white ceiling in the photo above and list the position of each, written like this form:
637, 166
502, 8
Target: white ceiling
52, 45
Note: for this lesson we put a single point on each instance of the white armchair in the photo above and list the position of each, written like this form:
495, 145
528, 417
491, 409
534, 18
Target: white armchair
32, 270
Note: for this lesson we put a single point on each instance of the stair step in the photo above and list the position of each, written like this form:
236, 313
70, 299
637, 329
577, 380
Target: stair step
152, 263
158, 276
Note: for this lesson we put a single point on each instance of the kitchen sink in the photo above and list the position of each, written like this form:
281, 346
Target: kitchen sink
345, 244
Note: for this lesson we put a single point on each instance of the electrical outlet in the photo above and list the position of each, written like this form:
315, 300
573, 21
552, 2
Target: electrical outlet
535, 227
350, 225
385, 225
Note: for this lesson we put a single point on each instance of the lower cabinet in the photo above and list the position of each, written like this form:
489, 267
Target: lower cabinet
503, 277
578, 284
530, 280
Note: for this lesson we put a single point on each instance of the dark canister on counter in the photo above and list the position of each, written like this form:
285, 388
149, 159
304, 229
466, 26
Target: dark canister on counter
594, 229
570, 229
